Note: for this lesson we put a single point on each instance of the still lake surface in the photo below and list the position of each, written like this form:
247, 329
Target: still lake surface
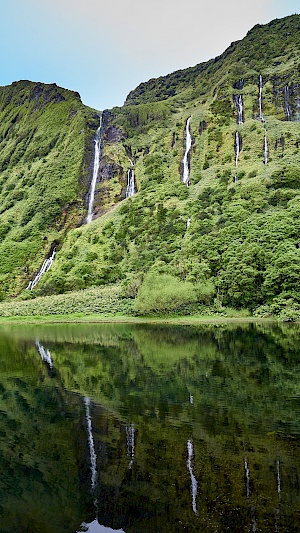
149, 428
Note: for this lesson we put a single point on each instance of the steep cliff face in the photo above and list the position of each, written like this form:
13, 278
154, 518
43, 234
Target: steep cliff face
45, 139
232, 232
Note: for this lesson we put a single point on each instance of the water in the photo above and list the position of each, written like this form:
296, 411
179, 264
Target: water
97, 156
47, 264
185, 161
194, 483
286, 103
266, 150
147, 428
93, 456
260, 85
130, 438
239, 104
45, 354
131, 186
237, 147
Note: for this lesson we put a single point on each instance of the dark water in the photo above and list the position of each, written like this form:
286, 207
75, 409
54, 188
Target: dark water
148, 429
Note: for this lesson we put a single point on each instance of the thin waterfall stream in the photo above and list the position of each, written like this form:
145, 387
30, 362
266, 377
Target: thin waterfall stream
260, 87
47, 264
97, 156
131, 185
185, 160
266, 149
239, 104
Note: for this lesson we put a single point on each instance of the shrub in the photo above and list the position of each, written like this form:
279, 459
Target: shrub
163, 293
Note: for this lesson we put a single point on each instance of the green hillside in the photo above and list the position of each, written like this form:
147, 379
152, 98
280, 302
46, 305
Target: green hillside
229, 239
45, 150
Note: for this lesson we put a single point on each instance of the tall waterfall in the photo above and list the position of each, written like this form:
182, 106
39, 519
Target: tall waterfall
238, 147
44, 268
194, 484
286, 103
93, 457
260, 85
130, 440
239, 104
266, 150
185, 161
97, 156
45, 354
131, 186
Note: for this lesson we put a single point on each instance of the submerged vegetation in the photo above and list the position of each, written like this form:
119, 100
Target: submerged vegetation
229, 239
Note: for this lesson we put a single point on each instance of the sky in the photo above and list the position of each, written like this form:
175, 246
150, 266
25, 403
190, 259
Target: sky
105, 48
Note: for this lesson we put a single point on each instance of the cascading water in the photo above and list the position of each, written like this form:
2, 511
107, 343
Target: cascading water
239, 104
93, 457
191, 399
45, 354
131, 187
47, 264
266, 150
130, 440
188, 223
260, 85
194, 484
247, 477
185, 161
238, 147
286, 103
97, 156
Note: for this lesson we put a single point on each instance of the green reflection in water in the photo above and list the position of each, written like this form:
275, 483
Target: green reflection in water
193, 429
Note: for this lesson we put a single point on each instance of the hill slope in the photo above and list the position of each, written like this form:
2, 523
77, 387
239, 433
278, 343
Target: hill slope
232, 236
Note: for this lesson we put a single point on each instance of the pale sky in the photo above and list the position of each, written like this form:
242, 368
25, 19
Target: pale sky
104, 48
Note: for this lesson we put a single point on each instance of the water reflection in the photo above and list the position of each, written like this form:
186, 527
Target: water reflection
146, 429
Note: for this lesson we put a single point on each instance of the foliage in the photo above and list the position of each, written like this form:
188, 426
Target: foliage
163, 293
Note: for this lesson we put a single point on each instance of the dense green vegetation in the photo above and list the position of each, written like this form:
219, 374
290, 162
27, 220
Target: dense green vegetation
44, 175
241, 248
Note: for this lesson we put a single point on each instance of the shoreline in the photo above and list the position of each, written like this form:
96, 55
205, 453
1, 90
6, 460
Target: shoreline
126, 319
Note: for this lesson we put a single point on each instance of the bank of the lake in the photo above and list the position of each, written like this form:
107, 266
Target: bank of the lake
126, 319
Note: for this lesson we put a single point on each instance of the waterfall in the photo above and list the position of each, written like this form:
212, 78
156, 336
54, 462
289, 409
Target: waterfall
188, 223
238, 147
45, 354
194, 484
131, 187
44, 268
191, 399
247, 477
93, 457
239, 104
97, 155
260, 85
266, 151
130, 439
286, 103
185, 161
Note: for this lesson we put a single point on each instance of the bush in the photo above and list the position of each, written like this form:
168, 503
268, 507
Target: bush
163, 293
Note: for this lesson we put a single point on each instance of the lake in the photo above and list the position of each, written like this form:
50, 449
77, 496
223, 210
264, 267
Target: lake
149, 428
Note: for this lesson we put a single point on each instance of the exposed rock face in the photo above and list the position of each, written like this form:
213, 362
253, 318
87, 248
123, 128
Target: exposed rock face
111, 133
109, 170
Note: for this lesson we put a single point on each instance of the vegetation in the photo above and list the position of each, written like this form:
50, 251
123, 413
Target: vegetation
241, 245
